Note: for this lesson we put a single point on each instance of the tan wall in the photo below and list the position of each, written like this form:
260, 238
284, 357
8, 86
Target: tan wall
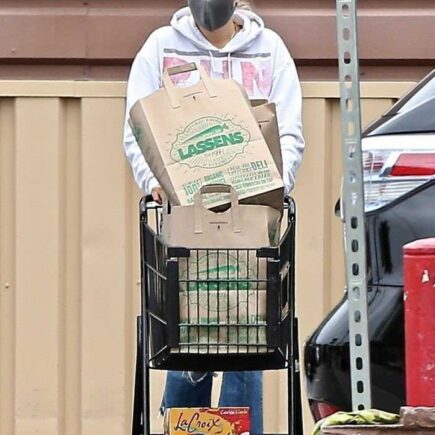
69, 278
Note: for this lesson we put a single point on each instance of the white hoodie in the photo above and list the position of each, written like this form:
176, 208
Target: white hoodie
256, 57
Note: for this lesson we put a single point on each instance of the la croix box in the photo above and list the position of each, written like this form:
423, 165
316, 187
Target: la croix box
207, 421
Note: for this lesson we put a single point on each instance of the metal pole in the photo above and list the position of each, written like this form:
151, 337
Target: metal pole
353, 203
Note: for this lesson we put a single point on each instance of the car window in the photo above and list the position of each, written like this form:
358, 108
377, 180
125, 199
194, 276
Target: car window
418, 119
420, 95
425, 93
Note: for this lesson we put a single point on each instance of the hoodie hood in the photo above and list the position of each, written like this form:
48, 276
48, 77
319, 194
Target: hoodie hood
253, 25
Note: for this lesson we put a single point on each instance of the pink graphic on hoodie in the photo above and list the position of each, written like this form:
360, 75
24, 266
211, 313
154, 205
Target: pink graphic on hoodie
169, 62
180, 79
256, 75
257, 78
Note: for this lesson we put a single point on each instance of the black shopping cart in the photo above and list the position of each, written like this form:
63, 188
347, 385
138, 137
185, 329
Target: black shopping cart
238, 312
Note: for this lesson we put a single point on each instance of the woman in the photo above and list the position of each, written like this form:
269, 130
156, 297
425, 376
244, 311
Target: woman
229, 41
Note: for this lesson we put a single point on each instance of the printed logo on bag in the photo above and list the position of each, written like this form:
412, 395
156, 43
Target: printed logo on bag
138, 133
209, 142
219, 273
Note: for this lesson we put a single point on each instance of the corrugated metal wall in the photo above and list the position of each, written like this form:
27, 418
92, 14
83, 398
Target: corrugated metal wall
69, 265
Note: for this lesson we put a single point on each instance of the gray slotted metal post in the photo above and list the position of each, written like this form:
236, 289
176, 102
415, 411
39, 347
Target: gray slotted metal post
353, 203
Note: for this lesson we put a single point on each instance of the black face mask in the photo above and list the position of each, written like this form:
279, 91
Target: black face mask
212, 14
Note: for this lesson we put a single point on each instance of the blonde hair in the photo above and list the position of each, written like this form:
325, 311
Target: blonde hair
244, 4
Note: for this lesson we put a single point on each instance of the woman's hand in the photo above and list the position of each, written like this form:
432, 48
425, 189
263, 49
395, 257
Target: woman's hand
157, 194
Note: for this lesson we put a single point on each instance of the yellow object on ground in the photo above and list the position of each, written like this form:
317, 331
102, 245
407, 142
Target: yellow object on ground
364, 417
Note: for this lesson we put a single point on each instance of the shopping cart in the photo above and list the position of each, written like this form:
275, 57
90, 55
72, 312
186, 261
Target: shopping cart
230, 309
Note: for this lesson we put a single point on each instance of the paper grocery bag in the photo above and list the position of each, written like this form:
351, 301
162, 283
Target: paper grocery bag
222, 282
265, 115
230, 318
240, 226
222, 243
204, 134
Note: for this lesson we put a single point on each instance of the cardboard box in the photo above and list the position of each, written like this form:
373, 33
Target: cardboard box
207, 421
204, 134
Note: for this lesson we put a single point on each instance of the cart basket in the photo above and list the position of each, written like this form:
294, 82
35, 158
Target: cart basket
216, 309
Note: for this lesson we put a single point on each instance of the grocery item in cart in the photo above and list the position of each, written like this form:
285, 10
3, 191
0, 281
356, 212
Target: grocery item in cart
207, 421
227, 321
222, 282
239, 226
204, 134
265, 115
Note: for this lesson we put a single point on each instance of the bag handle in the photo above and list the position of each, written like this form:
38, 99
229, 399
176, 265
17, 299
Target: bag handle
216, 188
172, 90
180, 69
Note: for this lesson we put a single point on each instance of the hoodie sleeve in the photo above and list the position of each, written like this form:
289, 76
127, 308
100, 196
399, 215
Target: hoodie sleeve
287, 96
143, 80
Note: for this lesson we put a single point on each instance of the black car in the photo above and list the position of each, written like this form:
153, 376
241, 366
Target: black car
399, 182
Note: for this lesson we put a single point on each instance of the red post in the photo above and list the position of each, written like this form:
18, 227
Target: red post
419, 287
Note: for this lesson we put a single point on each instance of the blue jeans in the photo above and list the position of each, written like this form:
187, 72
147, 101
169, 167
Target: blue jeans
193, 390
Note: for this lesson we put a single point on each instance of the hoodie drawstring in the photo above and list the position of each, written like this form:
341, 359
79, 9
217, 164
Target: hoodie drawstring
230, 69
229, 64
213, 69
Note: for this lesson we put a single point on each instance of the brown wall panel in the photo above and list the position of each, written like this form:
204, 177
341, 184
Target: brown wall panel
394, 36
104, 207
35, 34
7, 265
38, 253
71, 310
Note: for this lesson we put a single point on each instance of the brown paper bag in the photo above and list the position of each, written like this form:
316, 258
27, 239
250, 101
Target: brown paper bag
202, 315
224, 243
205, 134
240, 226
265, 115
222, 283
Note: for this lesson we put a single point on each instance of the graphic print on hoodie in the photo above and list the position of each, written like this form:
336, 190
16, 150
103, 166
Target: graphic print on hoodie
255, 57
255, 72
